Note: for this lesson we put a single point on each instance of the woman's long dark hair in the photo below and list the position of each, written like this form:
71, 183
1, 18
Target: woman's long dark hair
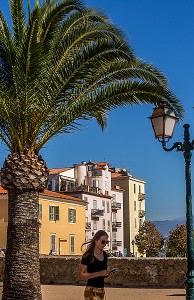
90, 248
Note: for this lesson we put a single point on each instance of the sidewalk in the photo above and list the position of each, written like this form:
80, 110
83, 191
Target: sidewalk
70, 292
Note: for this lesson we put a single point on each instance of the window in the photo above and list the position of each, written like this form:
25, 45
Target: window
134, 188
135, 223
40, 211
140, 222
139, 188
108, 207
53, 184
135, 207
72, 215
72, 243
53, 242
108, 226
53, 213
103, 203
94, 204
90, 167
106, 186
114, 217
94, 225
95, 183
49, 186
103, 224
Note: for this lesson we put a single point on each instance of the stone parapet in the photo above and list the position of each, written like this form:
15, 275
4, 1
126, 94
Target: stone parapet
134, 272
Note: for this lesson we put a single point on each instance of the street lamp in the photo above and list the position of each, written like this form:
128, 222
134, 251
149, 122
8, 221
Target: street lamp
163, 122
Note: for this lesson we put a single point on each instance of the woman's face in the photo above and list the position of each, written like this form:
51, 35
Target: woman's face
102, 242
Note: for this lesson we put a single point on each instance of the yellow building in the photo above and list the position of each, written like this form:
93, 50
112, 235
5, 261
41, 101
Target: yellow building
62, 222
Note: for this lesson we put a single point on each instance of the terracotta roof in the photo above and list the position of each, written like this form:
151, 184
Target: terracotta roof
58, 170
103, 163
51, 193
2, 191
59, 195
119, 175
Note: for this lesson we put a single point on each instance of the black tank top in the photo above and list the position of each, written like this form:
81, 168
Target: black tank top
95, 266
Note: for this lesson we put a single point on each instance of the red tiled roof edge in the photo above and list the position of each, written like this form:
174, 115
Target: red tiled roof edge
49, 193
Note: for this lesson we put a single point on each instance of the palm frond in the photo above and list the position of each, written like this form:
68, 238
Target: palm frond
65, 64
18, 20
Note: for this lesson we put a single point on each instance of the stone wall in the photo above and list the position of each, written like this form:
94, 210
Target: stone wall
134, 272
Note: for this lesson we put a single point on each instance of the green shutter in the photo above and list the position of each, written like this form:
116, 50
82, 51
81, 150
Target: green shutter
40, 211
74, 215
69, 215
50, 215
56, 213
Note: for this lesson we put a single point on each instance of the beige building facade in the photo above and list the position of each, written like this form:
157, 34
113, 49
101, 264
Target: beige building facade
133, 206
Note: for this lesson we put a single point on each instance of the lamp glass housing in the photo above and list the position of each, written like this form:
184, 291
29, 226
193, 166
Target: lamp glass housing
163, 122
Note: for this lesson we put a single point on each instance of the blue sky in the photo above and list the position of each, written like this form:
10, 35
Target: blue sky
162, 33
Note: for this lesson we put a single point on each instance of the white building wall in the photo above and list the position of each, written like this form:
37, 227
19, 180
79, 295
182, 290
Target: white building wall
97, 224
80, 173
68, 173
117, 197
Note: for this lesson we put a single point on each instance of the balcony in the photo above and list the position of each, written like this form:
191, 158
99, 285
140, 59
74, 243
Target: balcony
141, 196
115, 206
116, 225
116, 244
97, 173
88, 225
141, 213
87, 188
96, 213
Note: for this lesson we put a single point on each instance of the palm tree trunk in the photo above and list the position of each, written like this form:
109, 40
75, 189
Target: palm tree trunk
21, 276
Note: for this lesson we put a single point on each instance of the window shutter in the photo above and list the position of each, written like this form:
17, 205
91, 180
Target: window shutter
40, 211
74, 215
50, 212
69, 215
56, 212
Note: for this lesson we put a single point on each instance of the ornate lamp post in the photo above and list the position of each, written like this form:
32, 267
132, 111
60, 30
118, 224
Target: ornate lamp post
163, 122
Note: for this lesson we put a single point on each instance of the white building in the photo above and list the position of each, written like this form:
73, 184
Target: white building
92, 182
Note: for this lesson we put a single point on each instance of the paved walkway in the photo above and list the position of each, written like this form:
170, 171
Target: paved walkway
69, 292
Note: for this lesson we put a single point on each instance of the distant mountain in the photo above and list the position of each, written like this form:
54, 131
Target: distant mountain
164, 227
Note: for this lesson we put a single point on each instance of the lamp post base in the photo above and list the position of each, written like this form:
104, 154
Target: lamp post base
189, 285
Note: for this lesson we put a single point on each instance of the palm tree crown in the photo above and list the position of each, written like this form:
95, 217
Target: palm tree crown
62, 63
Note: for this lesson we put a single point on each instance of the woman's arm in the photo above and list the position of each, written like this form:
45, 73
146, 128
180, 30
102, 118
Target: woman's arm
84, 275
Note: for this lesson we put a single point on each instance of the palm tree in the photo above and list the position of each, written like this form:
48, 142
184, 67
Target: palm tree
60, 63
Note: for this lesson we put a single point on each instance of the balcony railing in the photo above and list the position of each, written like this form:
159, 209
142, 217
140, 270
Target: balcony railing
88, 225
87, 188
141, 196
142, 213
117, 243
116, 224
116, 205
97, 212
